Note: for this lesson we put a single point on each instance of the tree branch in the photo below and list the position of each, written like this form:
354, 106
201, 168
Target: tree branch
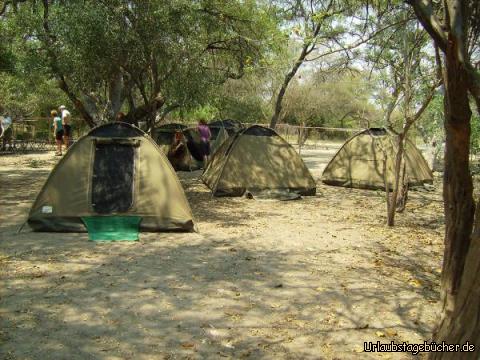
358, 43
424, 11
49, 41
145, 110
425, 103
3, 9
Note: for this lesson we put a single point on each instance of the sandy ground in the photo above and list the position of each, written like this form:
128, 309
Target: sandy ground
262, 279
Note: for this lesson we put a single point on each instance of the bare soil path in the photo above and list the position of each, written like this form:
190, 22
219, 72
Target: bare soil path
306, 279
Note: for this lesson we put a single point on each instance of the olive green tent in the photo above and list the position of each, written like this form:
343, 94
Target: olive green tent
230, 125
115, 171
360, 162
222, 136
181, 157
257, 159
164, 134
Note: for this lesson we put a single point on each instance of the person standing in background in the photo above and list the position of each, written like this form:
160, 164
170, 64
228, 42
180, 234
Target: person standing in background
57, 131
205, 136
6, 131
120, 117
67, 128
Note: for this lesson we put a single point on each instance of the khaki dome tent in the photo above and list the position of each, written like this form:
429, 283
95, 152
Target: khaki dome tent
232, 127
359, 162
164, 134
257, 159
116, 170
194, 143
180, 158
222, 136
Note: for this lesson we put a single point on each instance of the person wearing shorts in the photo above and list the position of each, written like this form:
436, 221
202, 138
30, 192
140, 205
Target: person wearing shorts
57, 131
6, 132
67, 128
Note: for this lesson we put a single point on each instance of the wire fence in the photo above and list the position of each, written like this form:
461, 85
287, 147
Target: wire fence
314, 137
36, 134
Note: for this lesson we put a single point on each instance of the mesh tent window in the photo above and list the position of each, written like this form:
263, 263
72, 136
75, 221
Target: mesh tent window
113, 177
377, 131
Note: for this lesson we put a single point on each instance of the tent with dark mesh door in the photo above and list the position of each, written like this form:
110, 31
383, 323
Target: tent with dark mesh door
116, 176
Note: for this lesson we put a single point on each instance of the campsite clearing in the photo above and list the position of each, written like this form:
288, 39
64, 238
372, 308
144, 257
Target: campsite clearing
305, 279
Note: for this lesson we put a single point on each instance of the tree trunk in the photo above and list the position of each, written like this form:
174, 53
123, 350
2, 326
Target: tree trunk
49, 40
146, 112
463, 324
385, 182
283, 89
459, 212
115, 95
77, 102
402, 201
160, 118
307, 48
398, 166
460, 317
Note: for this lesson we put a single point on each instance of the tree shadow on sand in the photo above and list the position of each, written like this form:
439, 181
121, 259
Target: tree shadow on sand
224, 211
176, 295
203, 296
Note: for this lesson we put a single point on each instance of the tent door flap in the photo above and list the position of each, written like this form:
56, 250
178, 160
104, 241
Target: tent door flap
113, 178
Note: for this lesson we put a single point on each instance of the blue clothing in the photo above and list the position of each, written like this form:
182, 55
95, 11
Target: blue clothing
6, 122
58, 121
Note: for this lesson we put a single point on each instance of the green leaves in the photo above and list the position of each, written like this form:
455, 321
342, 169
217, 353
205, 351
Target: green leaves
335, 100
110, 51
